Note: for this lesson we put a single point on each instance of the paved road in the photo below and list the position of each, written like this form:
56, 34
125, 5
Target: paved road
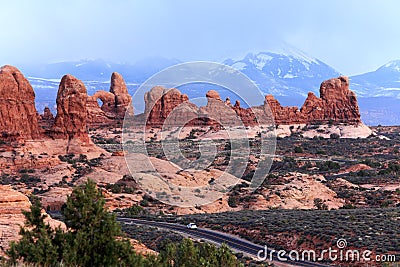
235, 243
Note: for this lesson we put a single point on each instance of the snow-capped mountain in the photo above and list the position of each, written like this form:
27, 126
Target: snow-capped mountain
284, 74
95, 74
383, 82
99, 70
289, 75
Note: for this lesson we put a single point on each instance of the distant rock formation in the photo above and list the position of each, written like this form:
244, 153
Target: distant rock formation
160, 102
46, 120
122, 98
19, 120
17, 106
70, 128
70, 121
337, 103
76, 110
248, 116
115, 103
218, 111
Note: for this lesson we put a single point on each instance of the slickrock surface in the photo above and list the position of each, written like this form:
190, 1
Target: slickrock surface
12, 203
298, 192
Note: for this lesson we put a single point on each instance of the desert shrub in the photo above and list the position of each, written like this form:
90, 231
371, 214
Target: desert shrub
298, 149
92, 238
328, 165
334, 136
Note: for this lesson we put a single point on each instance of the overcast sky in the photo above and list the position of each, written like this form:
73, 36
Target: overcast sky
353, 36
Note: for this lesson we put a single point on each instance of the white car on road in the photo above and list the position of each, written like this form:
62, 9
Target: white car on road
191, 226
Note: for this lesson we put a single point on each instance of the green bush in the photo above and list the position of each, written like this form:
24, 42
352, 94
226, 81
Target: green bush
298, 149
93, 238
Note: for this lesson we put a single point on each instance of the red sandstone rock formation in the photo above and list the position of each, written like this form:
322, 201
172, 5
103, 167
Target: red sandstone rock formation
340, 102
103, 115
336, 103
18, 116
46, 120
70, 121
12, 203
218, 111
283, 115
114, 103
247, 115
122, 98
160, 102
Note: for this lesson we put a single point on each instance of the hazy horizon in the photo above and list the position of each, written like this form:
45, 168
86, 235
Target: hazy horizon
352, 36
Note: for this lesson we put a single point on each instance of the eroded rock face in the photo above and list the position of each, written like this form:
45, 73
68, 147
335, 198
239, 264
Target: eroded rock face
46, 120
70, 121
17, 106
122, 98
283, 115
212, 94
115, 103
340, 102
218, 111
12, 203
336, 103
160, 102
103, 115
298, 191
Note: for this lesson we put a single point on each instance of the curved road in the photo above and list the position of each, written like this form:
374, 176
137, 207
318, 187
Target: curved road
235, 243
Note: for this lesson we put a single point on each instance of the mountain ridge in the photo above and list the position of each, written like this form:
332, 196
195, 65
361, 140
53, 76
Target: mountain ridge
289, 76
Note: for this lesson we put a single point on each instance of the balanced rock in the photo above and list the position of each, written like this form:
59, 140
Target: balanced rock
17, 106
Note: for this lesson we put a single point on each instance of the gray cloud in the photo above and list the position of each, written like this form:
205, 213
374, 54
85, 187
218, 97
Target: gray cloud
352, 36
